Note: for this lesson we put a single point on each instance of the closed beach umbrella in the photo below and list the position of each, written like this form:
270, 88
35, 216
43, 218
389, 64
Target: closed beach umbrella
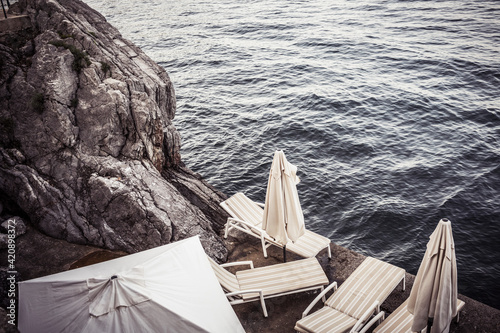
283, 218
434, 292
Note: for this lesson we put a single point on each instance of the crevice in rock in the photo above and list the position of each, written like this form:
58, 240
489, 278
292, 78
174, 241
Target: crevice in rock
191, 190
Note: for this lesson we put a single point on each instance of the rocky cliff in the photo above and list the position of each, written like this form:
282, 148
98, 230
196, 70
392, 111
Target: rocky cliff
88, 150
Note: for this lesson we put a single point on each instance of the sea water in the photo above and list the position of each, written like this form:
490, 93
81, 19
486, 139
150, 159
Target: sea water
389, 109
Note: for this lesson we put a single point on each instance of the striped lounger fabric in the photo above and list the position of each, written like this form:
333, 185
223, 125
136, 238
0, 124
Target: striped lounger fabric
246, 215
282, 278
401, 320
272, 281
363, 292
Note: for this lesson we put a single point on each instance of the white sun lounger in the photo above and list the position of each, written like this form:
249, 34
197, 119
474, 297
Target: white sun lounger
401, 319
269, 281
355, 301
246, 216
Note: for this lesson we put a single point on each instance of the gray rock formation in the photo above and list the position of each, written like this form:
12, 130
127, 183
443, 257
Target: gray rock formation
15, 226
87, 146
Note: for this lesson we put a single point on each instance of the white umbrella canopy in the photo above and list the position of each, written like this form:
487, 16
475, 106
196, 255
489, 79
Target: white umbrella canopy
434, 292
283, 218
170, 288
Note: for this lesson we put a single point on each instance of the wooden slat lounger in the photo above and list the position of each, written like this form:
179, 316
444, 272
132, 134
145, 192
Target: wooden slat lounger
355, 301
246, 216
270, 281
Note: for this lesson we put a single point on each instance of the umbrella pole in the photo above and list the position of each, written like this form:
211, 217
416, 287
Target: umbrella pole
430, 321
284, 253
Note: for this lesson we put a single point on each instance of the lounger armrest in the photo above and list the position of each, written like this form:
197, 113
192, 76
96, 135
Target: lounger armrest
365, 316
320, 296
251, 226
376, 318
238, 263
241, 292
253, 291
256, 229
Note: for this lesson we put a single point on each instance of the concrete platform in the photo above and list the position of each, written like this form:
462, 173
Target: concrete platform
285, 311
39, 255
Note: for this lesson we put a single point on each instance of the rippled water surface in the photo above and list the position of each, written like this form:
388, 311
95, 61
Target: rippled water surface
390, 110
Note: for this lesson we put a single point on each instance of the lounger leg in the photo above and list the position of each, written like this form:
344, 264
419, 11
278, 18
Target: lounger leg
263, 304
262, 240
227, 229
381, 319
324, 297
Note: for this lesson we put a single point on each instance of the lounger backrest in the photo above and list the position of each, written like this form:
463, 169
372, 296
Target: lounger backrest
401, 319
226, 279
372, 281
243, 208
